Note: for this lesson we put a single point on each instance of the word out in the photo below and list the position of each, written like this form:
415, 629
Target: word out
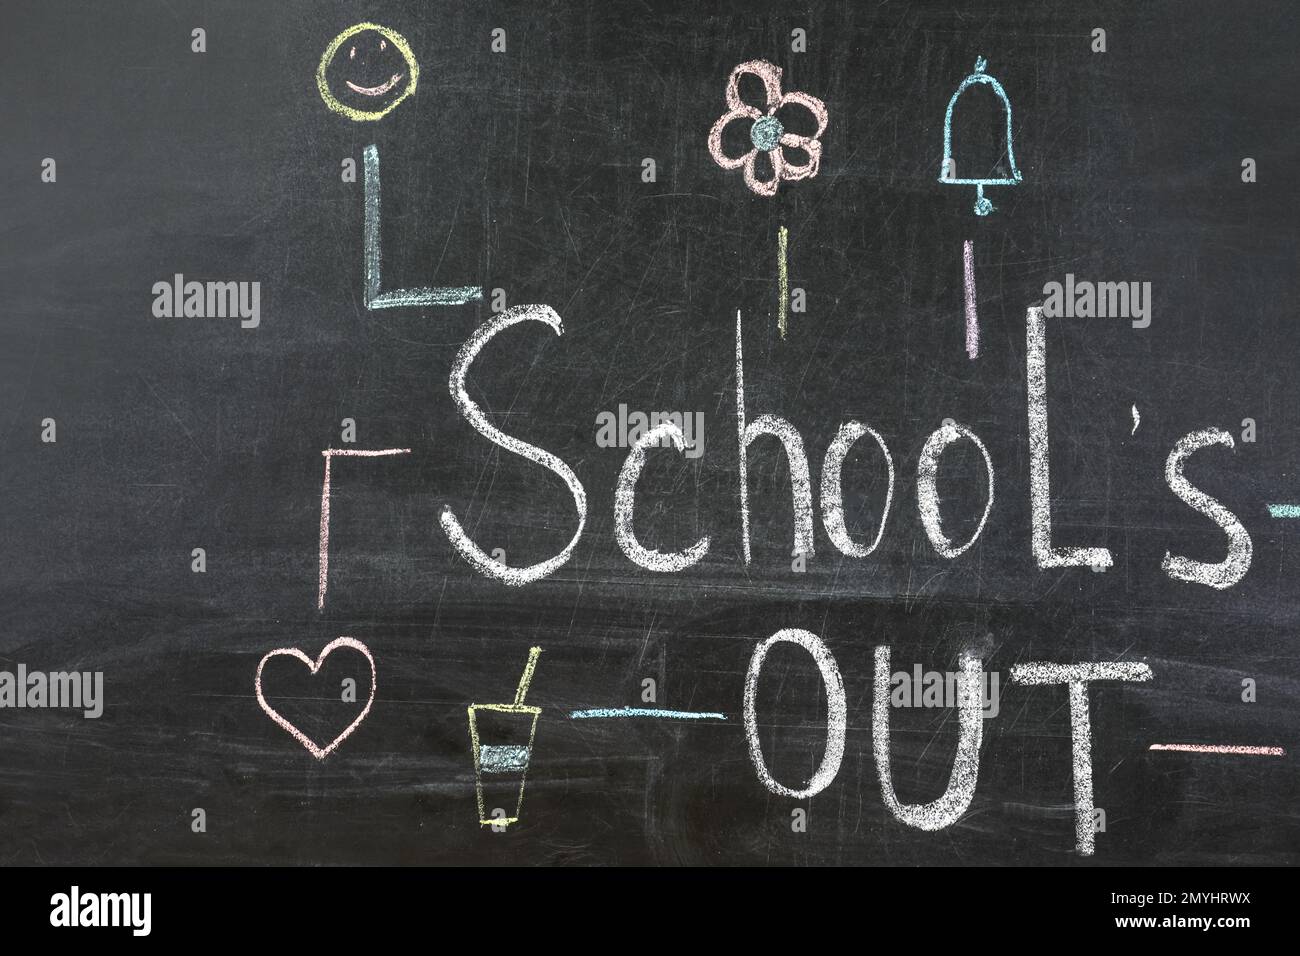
956, 798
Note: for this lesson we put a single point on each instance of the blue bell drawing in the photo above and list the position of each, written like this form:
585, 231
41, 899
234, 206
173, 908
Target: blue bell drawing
947, 171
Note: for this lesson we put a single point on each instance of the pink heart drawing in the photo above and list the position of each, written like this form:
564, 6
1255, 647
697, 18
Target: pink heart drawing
320, 753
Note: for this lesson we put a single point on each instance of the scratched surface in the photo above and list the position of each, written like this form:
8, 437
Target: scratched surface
522, 171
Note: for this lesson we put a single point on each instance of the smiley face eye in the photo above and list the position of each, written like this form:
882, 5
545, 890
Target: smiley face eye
383, 44
352, 54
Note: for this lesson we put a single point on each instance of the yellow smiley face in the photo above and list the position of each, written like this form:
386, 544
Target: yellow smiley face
366, 71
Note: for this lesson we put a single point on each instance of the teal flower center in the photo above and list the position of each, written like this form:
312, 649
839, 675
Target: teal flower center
766, 133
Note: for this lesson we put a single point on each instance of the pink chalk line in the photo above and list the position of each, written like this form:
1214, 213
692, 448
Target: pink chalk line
972, 321
320, 753
1222, 749
330, 454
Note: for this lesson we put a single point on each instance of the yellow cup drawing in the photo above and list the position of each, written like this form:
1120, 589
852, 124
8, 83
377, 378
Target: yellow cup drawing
502, 739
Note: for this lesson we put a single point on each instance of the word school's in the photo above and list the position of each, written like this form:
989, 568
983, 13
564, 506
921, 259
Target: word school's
1221, 574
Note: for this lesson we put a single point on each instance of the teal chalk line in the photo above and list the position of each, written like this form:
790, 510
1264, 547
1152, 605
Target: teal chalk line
397, 298
1284, 511
645, 712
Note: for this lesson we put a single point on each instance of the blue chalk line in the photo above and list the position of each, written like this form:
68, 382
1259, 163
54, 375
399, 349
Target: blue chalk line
645, 712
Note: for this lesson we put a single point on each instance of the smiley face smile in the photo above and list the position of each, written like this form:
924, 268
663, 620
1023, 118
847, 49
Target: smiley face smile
375, 90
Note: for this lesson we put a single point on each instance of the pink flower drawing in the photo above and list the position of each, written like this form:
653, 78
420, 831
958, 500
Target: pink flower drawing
766, 132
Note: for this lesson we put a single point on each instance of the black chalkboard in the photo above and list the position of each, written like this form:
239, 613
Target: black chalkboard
557, 154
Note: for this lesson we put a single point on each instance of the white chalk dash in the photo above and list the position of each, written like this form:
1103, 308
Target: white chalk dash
1241, 750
